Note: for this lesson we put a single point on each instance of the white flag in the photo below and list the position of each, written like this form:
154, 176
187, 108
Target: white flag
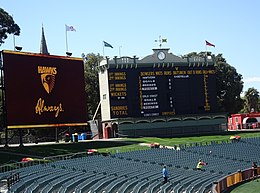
70, 28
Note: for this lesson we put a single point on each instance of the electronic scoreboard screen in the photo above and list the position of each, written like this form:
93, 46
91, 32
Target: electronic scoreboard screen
44, 90
161, 91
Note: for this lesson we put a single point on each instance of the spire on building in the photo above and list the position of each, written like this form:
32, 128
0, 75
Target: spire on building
43, 46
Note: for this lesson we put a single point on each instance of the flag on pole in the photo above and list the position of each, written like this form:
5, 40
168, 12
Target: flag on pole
107, 45
70, 28
209, 44
164, 40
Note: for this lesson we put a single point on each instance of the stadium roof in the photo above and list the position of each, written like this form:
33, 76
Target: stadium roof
160, 57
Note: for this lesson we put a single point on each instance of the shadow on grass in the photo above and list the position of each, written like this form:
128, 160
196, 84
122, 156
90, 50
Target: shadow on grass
47, 150
44, 150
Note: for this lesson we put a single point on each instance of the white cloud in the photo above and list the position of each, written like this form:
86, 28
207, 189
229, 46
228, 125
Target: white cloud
251, 79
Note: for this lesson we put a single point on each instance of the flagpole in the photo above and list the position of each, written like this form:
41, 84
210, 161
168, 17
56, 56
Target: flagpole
206, 54
66, 31
13, 36
119, 51
206, 51
160, 41
14, 41
103, 49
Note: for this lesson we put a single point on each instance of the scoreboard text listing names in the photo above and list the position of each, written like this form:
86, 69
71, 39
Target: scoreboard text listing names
153, 89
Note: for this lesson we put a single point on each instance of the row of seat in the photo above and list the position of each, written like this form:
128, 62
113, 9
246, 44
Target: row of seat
140, 171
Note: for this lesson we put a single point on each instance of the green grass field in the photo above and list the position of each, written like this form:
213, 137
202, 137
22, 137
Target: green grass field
15, 154
250, 187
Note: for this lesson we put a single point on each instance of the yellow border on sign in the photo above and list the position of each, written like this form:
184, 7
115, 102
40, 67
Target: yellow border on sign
45, 125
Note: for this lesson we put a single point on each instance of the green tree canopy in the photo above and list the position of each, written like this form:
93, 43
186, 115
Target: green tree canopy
229, 86
7, 26
251, 100
91, 62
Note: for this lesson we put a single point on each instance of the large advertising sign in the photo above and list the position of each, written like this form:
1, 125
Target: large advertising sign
43, 90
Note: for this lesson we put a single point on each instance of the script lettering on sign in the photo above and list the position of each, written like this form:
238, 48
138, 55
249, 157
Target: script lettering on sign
41, 108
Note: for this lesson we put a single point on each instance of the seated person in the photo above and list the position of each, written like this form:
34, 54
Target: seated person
200, 165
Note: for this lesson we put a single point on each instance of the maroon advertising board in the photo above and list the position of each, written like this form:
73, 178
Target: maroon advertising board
43, 90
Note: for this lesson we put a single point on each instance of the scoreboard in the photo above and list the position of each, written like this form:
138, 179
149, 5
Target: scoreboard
161, 91
43, 90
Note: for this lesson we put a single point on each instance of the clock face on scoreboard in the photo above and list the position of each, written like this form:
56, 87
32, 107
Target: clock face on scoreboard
161, 55
147, 91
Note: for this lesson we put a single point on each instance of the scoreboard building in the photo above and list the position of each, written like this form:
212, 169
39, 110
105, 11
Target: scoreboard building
160, 95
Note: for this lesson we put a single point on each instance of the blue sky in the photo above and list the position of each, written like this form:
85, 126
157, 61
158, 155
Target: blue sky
131, 26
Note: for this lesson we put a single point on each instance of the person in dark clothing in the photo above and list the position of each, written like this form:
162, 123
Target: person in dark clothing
254, 168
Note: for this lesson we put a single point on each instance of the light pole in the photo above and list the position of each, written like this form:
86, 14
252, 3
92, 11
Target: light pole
119, 50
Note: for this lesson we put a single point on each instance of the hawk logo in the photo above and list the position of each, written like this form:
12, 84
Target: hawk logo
47, 77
